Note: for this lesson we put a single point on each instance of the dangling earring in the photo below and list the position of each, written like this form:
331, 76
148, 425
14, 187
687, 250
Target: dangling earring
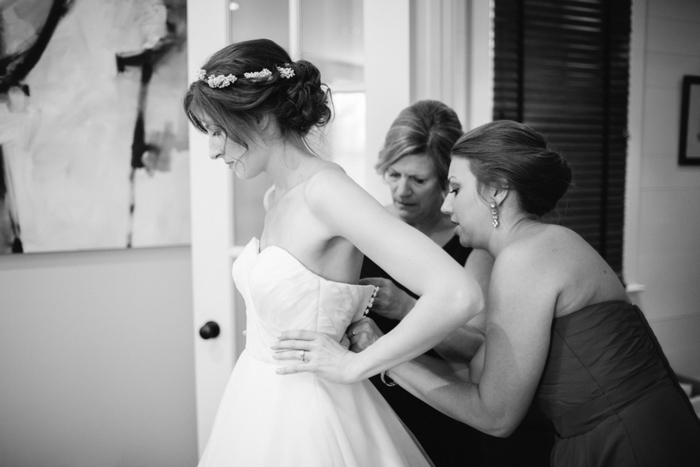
494, 214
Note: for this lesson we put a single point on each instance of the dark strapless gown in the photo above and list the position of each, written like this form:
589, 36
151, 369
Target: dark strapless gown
611, 394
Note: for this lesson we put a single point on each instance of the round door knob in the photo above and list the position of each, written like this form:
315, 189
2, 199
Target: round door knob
209, 330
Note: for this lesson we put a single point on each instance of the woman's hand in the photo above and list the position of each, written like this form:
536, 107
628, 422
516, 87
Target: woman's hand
314, 352
362, 334
390, 302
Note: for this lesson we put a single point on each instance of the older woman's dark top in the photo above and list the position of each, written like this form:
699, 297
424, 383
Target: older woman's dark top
447, 441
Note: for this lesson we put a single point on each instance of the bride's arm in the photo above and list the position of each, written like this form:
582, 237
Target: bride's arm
448, 295
460, 346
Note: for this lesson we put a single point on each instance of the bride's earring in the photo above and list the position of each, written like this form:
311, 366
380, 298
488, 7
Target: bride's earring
494, 214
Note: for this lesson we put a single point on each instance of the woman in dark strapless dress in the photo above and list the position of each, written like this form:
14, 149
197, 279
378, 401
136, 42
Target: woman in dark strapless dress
608, 385
561, 333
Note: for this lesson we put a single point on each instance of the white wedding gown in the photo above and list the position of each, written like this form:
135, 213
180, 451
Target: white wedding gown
266, 419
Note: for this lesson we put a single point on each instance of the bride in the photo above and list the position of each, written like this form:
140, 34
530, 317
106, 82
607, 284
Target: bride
256, 106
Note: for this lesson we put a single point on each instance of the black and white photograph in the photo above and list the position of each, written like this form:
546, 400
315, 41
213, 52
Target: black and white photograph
349, 233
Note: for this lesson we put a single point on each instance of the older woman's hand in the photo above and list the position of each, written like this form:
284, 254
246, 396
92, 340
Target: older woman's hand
362, 334
390, 302
314, 352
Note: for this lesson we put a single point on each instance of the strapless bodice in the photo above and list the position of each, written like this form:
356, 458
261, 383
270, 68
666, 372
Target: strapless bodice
611, 394
593, 352
282, 294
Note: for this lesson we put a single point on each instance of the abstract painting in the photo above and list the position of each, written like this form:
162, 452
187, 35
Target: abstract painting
93, 139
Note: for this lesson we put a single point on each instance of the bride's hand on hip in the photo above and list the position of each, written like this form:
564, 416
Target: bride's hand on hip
313, 352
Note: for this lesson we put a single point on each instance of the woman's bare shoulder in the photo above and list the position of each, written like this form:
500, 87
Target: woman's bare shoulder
545, 241
559, 261
550, 253
329, 183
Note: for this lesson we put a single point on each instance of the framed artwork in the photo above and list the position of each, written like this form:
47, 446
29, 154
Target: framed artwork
689, 149
93, 139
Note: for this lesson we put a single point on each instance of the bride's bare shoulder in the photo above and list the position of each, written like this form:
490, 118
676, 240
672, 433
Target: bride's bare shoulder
331, 193
327, 178
324, 167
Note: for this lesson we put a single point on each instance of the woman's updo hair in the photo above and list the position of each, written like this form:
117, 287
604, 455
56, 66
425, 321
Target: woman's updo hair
427, 128
510, 155
299, 102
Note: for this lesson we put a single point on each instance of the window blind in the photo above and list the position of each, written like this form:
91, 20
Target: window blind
562, 67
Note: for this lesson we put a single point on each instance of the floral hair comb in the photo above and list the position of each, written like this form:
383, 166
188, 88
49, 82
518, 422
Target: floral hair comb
216, 81
285, 72
258, 75
221, 81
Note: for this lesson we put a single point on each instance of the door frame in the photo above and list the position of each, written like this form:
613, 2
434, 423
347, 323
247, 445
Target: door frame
211, 197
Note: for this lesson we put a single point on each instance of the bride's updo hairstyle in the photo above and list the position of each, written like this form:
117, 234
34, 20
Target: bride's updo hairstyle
244, 81
510, 155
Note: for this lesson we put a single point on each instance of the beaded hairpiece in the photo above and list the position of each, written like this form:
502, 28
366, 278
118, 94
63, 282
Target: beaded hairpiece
221, 81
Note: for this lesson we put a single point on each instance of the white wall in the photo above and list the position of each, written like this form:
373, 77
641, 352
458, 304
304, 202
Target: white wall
96, 359
663, 219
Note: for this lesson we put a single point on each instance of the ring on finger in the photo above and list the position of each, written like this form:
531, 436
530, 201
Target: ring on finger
303, 353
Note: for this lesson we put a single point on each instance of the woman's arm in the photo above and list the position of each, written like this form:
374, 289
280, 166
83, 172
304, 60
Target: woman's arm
459, 346
393, 303
462, 345
448, 295
480, 265
521, 300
